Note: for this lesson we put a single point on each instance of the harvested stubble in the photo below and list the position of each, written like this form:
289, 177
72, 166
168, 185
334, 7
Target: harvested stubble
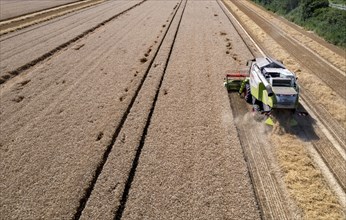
300, 188
327, 98
337, 58
304, 180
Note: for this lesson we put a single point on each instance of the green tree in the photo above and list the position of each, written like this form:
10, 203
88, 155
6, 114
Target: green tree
309, 6
291, 4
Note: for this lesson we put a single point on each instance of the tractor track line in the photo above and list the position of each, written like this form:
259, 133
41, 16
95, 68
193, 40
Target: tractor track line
295, 41
330, 130
330, 125
312, 36
132, 173
40, 25
34, 18
238, 31
45, 56
271, 198
337, 132
115, 135
334, 79
332, 153
43, 39
39, 11
246, 157
331, 138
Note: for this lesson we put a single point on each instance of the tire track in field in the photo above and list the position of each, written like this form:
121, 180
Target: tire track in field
332, 153
44, 38
308, 59
271, 200
95, 89
326, 103
50, 53
44, 8
331, 132
331, 156
129, 181
24, 46
23, 21
46, 91
192, 166
124, 121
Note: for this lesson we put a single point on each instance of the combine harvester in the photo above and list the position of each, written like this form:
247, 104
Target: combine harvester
267, 85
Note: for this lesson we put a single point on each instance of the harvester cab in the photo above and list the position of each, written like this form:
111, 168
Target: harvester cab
267, 85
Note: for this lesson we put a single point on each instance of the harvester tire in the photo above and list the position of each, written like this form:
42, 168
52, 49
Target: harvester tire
248, 96
256, 108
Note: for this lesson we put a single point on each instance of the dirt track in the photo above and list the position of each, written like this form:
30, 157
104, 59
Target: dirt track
129, 119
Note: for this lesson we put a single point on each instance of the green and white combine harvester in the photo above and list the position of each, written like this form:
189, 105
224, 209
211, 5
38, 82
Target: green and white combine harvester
267, 85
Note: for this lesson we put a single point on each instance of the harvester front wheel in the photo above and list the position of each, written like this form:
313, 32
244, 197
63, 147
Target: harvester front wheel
256, 108
248, 96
